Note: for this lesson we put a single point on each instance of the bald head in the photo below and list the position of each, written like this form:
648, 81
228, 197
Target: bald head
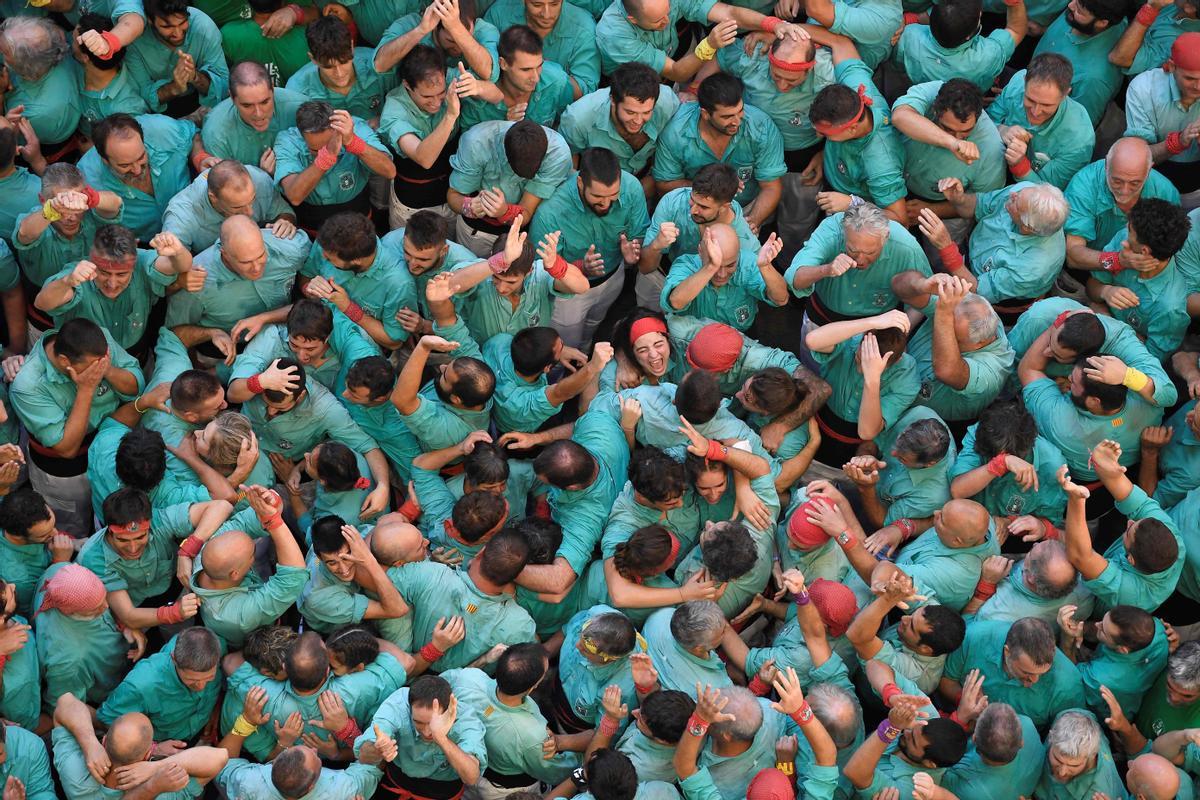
962, 523
1130, 154
1152, 777
238, 230
225, 173
1048, 572
228, 556
394, 541
129, 739
727, 238
247, 73
788, 49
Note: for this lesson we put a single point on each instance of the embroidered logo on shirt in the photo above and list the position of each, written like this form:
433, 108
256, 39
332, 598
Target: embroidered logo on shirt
472, 608
285, 444
1118, 422
742, 314
841, 167
745, 173
346, 181
926, 390
879, 299
1015, 505
487, 712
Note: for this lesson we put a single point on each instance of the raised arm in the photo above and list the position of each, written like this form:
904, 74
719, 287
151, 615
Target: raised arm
1078, 539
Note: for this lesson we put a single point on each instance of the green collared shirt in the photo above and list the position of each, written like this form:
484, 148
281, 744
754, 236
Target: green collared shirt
46, 255
1012, 265
680, 669
546, 103
973, 777
344, 181
872, 165
27, 761
226, 135
347, 344
483, 32
153, 688
241, 778
788, 110
979, 59
481, 163
908, 491
78, 783
1154, 108
401, 116
365, 98
151, 62
233, 613
1161, 316
870, 25
1060, 146
120, 96
1094, 214
125, 316
625, 42
382, 289
1127, 675
735, 303
1003, 496
1121, 583
148, 575
675, 207
898, 387
588, 122
52, 104
571, 43
316, 417
1095, 81
1156, 46
520, 405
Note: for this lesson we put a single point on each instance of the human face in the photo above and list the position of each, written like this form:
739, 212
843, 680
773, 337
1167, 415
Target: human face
654, 15
1179, 697
1023, 668
524, 71
361, 396
1056, 351
1041, 101
599, 197
746, 397
196, 681
132, 544
1083, 20
316, 141
111, 282
422, 260
711, 485
282, 407
172, 29
726, 271
864, 247
71, 221
725, 119
1015, 208
953, 125
661, 505
308, 351
43, 531
508, 285
255, 105
912, 627
236, 197
632, 114
209, 408
652, 352
335, 664
337, 75
127, 157
1065, 769
339, 564
421, 717
446, 42
429, 94
247, 258
1107, 632
703, 209
1188, 81
83, 363
203, 439
1125, 183
786, 79
354, 265
542, 15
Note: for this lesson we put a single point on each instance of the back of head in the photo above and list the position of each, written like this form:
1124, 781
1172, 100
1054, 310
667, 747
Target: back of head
32, 46
21, 509
307, 663
728, 551
835, 105
292, 774
374, 373
666, 713
127, 506
946, 742
946, 629
926, 440
892, 340
1082, 334
656, 476
129, 739
1032, 637
747, 716
1048, 571
329, 40
1111, 397
267, 648
525, 145
960, 97
955, 22
349, 235
141, 460
192, 388
533, 349
503, 558
310, 319
227, 172
1052, 68
998, 735
1043, 209
279, 395
611, 775
565, 463
232, 429
486, 465
314, 116
717, 181
1135, 627
353, 645
839, 711
1155, 548
1005, 427
1152, 777
610, 633
337, 467
720, 89
646, 552
544, 537
477, 513
520, 668
698, 397
474, 383
61, 177
696, 623
80, 339
197, 650
634, 80
1160, 225
776, 391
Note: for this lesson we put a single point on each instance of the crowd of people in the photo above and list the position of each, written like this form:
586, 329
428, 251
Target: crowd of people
613, 399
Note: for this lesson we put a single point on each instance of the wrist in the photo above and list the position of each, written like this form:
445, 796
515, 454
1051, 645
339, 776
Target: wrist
769, 24
998, 465
696, 725
1110, 261
887, 732
803, 715
356, 146
324, 160
242, 726
429, 652
705, 51
191, 546
254, 384
51, 213
298, 12
906, 527
984, 589
1022, 168
951, 257
354, 312
609, 725
1135, 379
169, 615
1146, 15
114, 44
888, 692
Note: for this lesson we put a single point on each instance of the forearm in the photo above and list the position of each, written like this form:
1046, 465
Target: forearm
392, 53
1148, 470
860, 769
971, 483
404, 395
687, 291
207, 517
467, 766
1171, 745
478, 59
920, 128
435, 460
287, 551
128, 28
827, 337
1075, 531
1016, 21
686, 753
767, 201
31, 228
192, 335
124, 381
949, 366
378, 162
805, 277
553, 578
746, 464
297, 187
683, 70
426, 153
1080, 256
627, 594
777, 290
964, 206
793, 469
76, 426
54, 294
572, 384
651, 258
377, 463
373, 327
863, 631
15, 318
1126, 48
870, 412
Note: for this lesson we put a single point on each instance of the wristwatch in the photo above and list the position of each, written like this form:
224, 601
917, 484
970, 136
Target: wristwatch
579, 778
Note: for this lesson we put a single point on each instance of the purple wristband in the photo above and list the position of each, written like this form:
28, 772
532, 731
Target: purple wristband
886, 733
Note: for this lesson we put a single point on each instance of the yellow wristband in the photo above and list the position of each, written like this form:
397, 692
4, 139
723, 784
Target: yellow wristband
786, 767
705, 51
1135, 379
39, 3
242, 726
50, 212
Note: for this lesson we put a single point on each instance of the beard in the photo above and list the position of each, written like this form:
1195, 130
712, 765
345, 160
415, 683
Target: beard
1087, 30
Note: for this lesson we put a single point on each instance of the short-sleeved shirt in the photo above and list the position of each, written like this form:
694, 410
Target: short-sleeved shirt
571, 43
1187, 260
344, 181
628, 516
588, 122
1161, 316
735, 303
241, 778
1009, 264
1095, 81
486, 313
374, 16
347, 344
1158, 716
120, 96
125, 316
51, 102
974, 777
907, 491
519, 404
1121, 583
1179, 461
316, 417
243, 40
1154, 108
437, 424
191, 217
788, 110
898, 387
365, 98
755, 151
418, 757
1127, 675
872, 165
78, 783
232, 613
226, 135
674, 207
148, 575
153, 688
1014, 599
625, 42
979, 59
151, 62
870, 25
382, 289
857, 292
1060, 146
18, 193
401, 117
1156, 46
481, 163
20, 698
27, 761
1003, 496
168, 145
680, 669
51, 251
22, 565
584, 682
483, 32
1094, 214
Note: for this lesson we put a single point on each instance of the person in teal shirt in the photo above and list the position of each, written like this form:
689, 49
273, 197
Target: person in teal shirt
732, 366
335, 593
153, 60
29, 528
1131, 650
47, 84
568, 35
951, 44
456, 37
1087, 37
177, 687
594, 656
25, 760
242, 778
305, 416
453, 523
19, 187
443, 411
1152, 299
682, 642
1159, 103
752, 145
939, 121
426, 253
723, 283
998, 763
372, 17
1053, 141
367, 397
107, 88
20, 696
1038, 586
340, 74
144, 160
634, 105
1143, 47
543, 87
1079, 762
871, 26
244, 125
196, 213
1178, 459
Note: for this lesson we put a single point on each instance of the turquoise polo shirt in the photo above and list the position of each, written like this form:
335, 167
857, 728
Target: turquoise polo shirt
584, 682
78, 783
988, 367
549, 99
400, 117
191, 217
1179, 461
365, 97
731, 775
483, 32
983, 648
625, 42
241, 778
151, 62
735, 303
18, 193
481, 163
20, 700
384, 424
520, 405
571, 44
486, 313
51, 102
437, 425
1102, 777
417, 757
1095, 81
374, 16
437, 509
1004, 497
974, 777
1161, 316
1153, 108
1014, 599
1123, 584
755, 151
857, 292
315, 418
1127, 675
227, 297
1120, 340
42, 396
628, 516
346, 180
945, 571
168, 146
1094, 214
347, 344
926, 164
871, 166
1187, 260
1186, 515
581, 227
979, 59
148, 575
125, 316
26, 760
22, 565
870, 25
1076, 432
1060, 146
226, 135
909, 492
46, 255
153, 688
674, 207
120, 96
679, 669
788, 110
456, 255
1156, 46
382, 289
588, 122
232, 613
1040, 11
898, 387
1011, 265
753, 357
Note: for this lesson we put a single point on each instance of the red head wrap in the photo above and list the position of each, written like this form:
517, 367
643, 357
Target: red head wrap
803, 533
74, 589
835, 603
1185, 52
715, 348
646, 325
864, 100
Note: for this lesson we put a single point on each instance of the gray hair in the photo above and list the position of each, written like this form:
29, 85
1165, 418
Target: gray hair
982, 320
1129, 141
747, 715
197, 650
1043, 209
32, 46
838, 710
868, 218
313, 116
1075, 734
611, 632
1037, 571
1183, 667
696, 622
61, 177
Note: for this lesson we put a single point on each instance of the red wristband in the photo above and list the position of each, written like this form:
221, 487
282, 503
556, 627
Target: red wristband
410, 510
1146, 15
769, 24
907, 527
298, 11
888, 692
758, 687
803, 715
114, 44
191, 546
198, 160
430, 653
1175, 144
510, 213
355, 312
609, 726
325, 160
911, 18
998, 466
93, 197
348, 732
169, 615
1051, 532
954, 718
951, 257
356, 146
1012, 2
984, 589
1110, 261
644, 688
254, 384
558, 269
3, 662
498, 263
1021, 168
716, 451
696, 726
